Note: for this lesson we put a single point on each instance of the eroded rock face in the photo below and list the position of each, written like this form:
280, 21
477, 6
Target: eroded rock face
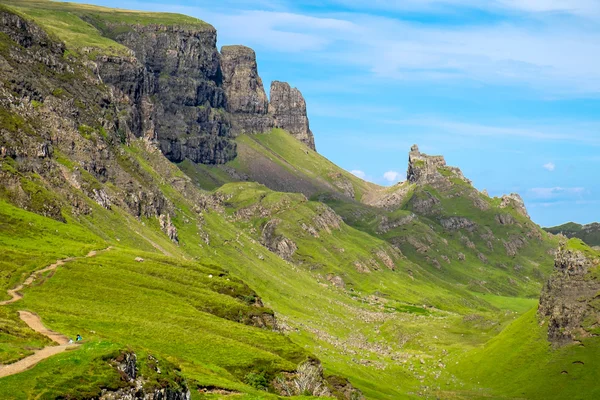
288, 108
516, 201
246, 97
174, 79
430, 170
569, 301
278, 244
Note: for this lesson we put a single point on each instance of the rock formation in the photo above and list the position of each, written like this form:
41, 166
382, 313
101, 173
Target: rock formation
246, 97
515, 201
430, 170
569, 301
174, 82
288, 109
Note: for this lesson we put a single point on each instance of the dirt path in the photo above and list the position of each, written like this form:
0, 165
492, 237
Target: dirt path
35, 323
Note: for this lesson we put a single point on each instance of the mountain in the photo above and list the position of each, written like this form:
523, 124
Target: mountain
155, 202
589, 233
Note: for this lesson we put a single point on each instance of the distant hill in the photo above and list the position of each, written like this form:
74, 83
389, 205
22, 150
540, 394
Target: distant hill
589, 233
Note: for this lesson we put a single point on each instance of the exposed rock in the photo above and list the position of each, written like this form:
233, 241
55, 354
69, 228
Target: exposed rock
288, 108
327, 219
386, 225
174, 83
139, 259
461, 257
138, 387
100, 197
515, 201
277, 243
167, 226
514, 244
456, 223
385, 258
424, 169
505, 219
336, 281
569, 300
246, 97
424, 204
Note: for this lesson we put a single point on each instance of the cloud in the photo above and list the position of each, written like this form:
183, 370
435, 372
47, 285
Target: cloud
359, 173
569, 131
391, 176
549, 166
556, 192
552, 54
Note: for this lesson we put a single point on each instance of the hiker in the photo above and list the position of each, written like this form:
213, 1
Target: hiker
79, 338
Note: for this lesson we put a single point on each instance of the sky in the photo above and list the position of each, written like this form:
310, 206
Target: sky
506, 90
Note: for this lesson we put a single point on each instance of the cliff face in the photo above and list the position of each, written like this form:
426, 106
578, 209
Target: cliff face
174, 81
569, 301
246, 98
192, 100
288, 109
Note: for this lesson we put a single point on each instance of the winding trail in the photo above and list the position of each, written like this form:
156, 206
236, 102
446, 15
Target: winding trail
34, 322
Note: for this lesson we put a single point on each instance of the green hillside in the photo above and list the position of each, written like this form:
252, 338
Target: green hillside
276, 274
588, 233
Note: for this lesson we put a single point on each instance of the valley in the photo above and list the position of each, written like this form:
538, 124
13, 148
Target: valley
209, 251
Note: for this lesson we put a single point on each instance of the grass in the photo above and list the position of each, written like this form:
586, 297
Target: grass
70, 23
520, 363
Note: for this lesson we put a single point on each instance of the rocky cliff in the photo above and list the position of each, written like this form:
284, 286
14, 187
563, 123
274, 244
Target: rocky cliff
288, 109
424, 169
569, 301
246, 97
174, 82
192, 99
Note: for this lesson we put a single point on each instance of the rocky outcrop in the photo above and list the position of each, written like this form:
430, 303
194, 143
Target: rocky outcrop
288, 108
174, 81
277, 243
456, 223
140, 387
167, 227
430, 170
570, 302
515, 201
246, 98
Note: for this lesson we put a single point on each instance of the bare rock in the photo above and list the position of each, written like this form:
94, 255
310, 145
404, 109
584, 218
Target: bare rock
516, 202
569, 301
288, 108
246, 97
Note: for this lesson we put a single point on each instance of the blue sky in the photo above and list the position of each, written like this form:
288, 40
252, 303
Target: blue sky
507, 90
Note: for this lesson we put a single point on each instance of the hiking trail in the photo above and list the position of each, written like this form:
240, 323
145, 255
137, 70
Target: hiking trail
34, 322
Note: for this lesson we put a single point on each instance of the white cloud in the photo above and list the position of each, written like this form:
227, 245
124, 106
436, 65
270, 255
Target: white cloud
556, 192
553, 54
549, 166
359, 173
391, 176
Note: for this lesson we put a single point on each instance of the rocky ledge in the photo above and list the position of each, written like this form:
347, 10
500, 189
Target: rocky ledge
569, 302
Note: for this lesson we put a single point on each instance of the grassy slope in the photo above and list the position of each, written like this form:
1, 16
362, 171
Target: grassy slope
386, 331
64, 21
280, 162
283, 163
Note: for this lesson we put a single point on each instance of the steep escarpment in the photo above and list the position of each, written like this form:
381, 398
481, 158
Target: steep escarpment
288, 109
192, 99
246, 98
174, 82
570, 301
